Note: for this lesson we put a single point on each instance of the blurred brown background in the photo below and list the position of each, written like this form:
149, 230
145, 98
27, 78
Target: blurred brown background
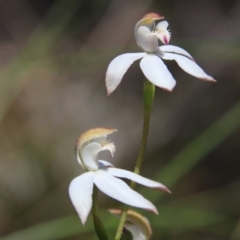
53, 59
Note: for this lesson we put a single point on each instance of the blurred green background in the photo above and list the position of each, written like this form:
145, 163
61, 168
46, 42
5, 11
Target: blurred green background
53, 59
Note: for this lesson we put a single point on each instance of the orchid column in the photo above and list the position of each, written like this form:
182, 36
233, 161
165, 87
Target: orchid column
148, 35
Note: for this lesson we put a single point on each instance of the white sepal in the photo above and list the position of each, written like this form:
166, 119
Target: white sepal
174, 49
118, 67
136, 232
120, 191
156, 72
80, 192
188, 66
116, 172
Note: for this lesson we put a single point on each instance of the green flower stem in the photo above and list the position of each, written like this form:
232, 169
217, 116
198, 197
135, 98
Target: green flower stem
121, 223
148, 90
99, 228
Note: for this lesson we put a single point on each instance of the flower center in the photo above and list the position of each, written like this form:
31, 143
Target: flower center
147, 36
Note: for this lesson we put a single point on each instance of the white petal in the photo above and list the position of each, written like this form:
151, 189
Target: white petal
136, 232
118, 67
89, 155
104, 164
120, 191
137, 178
147, 40
156, 72
175, 49
188, 66
80, 191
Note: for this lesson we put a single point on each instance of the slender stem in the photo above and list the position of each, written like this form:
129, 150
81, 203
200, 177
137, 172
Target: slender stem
121, 223
143, 146
95, 205
99, 228
148, 90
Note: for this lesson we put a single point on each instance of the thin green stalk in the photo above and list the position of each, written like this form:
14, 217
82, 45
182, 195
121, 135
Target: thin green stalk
99, 228
121, 223
148, 90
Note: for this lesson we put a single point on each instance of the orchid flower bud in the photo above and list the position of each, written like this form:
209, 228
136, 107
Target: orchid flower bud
135, 223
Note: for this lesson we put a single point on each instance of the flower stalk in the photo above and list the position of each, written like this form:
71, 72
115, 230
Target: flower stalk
148, 92
99, 228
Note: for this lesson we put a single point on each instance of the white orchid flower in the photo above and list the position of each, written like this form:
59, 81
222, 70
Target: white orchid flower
104, 175
135, 223
147, 35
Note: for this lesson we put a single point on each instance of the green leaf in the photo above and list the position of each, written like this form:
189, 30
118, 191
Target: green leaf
99, 228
